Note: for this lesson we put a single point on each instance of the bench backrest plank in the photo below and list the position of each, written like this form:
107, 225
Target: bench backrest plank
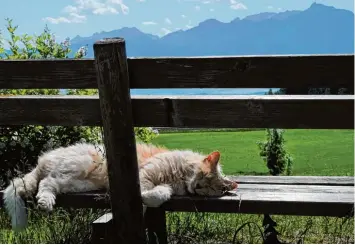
276, 71
239, 111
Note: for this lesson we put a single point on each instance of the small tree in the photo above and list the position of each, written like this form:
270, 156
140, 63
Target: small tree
274, 153
21, 145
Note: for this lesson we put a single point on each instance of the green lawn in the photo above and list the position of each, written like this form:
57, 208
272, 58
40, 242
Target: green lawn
315, 152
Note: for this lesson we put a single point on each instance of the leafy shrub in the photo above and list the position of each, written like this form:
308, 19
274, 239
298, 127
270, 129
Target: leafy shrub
146, 134
21, 145
274, 153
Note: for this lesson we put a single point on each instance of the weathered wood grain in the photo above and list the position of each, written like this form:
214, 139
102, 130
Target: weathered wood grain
293, 195
50, 110
239, 111
252, 201
189, 72
119, 139
263, 112
71, 110
56, 73
155, 222
305, 204
101, 229
296, 188
286, 201
296, 180
244, 72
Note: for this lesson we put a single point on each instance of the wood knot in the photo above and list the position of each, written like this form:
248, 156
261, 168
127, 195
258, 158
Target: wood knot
254, 107
242, 66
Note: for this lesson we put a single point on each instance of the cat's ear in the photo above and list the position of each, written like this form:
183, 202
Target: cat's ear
212, 160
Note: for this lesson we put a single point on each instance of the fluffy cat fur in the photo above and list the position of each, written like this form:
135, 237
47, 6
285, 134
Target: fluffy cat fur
82, 167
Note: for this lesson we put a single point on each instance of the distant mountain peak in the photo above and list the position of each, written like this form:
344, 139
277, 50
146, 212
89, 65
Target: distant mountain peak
272, 15
132, 29
237, 19
125, 32
319, 29
260, 16
316, 5
209, 24
77, 37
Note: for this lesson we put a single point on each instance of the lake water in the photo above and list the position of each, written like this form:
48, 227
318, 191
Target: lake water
199, 91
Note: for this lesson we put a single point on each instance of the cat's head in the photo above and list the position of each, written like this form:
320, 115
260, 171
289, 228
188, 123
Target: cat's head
209, 180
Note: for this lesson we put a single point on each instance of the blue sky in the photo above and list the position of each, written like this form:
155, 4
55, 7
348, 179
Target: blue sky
68, 18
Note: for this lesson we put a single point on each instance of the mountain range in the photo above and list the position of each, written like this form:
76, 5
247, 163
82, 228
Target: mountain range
320, 29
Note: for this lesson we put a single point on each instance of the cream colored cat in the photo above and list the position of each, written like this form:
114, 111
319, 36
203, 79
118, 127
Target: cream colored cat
82, 167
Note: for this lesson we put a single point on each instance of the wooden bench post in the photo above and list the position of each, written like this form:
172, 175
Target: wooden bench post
119, 139
155, 222
101, 229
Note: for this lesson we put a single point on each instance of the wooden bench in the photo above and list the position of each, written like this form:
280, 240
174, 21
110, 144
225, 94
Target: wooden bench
118, 112
286, 195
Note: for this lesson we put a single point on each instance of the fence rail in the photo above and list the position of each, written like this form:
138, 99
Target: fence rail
239, 111
287, 71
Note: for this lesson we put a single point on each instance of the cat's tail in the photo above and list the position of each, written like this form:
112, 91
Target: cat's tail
18, 189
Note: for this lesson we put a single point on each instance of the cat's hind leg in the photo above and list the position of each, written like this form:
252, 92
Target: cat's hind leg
47, 191
55, 184
157, 196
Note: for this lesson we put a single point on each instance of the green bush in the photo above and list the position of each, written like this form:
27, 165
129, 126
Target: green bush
274, 153
145, 135
21, 145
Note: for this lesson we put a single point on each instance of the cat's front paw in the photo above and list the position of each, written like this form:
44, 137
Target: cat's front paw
46, 202
152, 201
157, 196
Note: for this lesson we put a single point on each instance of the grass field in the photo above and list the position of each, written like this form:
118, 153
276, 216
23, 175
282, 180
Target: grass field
315, 152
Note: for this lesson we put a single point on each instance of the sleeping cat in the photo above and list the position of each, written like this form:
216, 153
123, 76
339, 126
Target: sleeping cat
181, 173
82, 167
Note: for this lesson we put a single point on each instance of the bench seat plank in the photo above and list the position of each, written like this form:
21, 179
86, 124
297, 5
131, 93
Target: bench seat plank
285, 203
253, 199
312, 189
273, 195
296, 180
